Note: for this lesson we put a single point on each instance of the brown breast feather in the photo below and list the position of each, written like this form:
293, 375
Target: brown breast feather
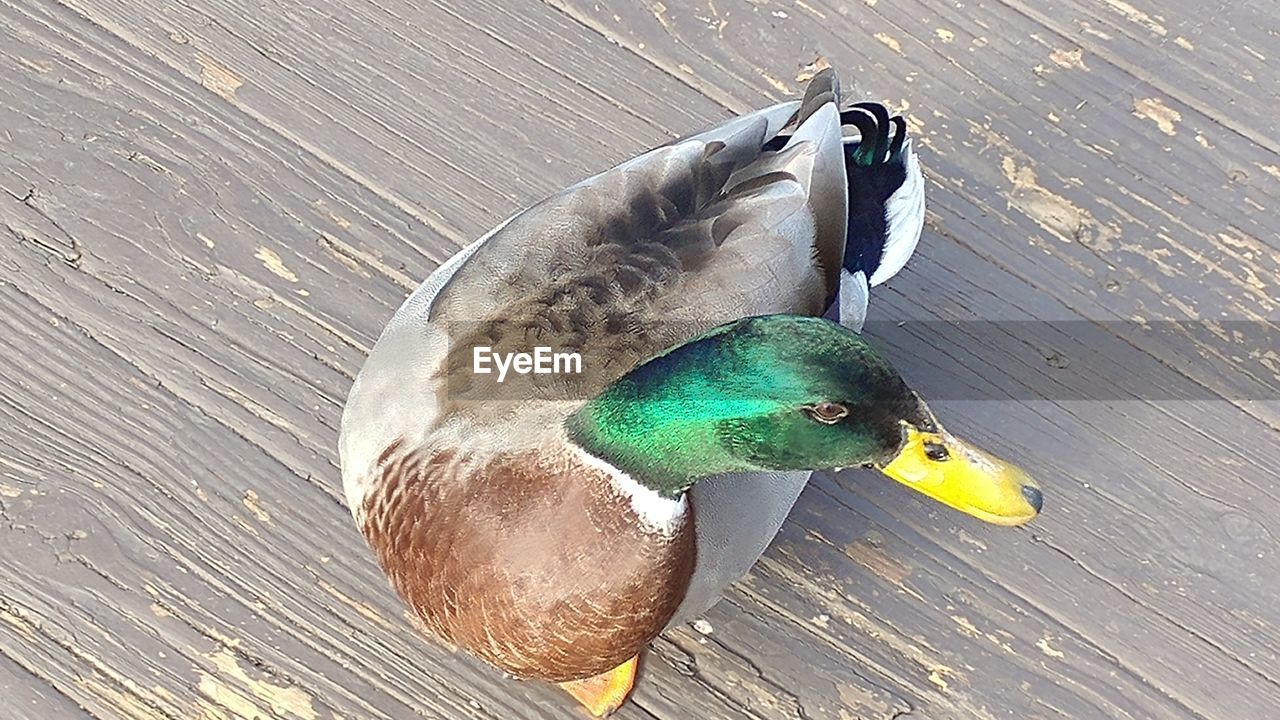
531, 561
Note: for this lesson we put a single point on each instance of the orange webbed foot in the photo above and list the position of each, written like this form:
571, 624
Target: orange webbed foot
603, 694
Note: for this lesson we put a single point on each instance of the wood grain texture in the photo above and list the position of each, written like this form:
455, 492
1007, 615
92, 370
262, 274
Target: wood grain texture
208, 211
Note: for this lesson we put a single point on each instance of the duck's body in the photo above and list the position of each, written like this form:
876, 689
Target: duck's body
492, 521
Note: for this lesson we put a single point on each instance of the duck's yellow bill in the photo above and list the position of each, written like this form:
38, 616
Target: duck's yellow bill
961, 476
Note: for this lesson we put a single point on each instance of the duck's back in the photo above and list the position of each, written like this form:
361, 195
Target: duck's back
655, 251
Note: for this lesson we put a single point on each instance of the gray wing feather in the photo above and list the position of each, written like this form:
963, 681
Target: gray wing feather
714, 216
855, 292
542, 236
737, 516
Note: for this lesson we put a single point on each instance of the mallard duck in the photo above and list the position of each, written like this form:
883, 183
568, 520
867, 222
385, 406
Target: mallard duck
554, 523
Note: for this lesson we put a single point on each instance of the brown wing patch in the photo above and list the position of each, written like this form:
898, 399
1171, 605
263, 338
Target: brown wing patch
638, 244
595, 310
530, 561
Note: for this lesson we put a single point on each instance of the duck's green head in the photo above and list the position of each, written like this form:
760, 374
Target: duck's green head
789, 393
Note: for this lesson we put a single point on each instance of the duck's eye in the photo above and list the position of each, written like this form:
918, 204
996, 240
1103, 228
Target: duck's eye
936, 451
828, 413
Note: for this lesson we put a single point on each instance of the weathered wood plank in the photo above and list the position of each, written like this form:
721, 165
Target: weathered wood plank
417, 131
213, 213
28, 696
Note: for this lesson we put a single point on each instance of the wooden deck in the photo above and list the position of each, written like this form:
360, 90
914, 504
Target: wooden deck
209, 214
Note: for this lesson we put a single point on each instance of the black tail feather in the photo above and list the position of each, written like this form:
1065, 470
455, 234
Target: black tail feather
874, 163
875, 168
